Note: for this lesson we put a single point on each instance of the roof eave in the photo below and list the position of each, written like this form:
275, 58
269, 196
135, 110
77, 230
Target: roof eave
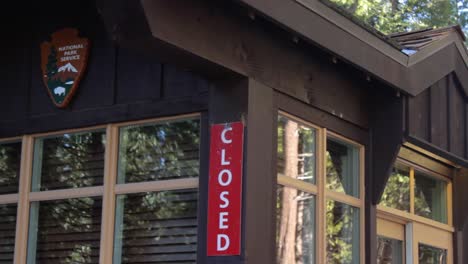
323, 26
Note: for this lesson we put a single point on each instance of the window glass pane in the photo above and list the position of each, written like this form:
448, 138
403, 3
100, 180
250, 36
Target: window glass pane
162, 151
68, 161
342, 227
65, 231
156, 227
431, 255
10, 159
296, 150
295, 238
389, 251
397, 191
342, 167
430, 197
7, 232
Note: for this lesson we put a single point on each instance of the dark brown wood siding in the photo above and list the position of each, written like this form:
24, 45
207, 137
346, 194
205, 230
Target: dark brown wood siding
438, 114
437, 118
457, 104
119, 84
419, 115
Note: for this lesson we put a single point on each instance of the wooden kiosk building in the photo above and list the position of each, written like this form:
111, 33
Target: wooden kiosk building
355, 144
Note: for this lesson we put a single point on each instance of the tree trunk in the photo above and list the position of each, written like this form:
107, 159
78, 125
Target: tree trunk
288, 218
352, 9
394, 6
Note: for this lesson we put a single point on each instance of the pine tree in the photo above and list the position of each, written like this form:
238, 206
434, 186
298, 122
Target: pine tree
390, 16
52, 63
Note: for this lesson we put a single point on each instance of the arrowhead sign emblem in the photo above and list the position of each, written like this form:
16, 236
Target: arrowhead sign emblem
63, 62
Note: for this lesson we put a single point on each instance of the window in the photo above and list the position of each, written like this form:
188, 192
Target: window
417, 191
343, 179
10, 159
65, 226
121, 193
161, 225
390, 242
397, 191
389, 251
319, 195
415, 212
430, 197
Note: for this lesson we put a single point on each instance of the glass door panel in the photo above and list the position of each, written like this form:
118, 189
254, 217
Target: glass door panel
390, 242
389, 251
432, 245
431, 255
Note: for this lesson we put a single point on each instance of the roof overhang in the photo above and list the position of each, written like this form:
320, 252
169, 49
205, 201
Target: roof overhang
315, 22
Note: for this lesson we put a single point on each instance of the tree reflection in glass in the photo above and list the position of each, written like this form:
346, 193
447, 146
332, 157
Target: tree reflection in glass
431, 255
7, 232
342, 167
156, 227
430, 197
68, 161
342, 233
397, 190
295, 226
65, 231
296, 150
389, 251
10, 158
162, 151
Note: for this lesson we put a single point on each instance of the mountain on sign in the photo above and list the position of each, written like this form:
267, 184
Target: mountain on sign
67, 68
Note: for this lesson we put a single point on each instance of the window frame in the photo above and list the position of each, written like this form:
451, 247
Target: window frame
384, 211
108, 191
113, 189
14, 198
320, 191
436, 168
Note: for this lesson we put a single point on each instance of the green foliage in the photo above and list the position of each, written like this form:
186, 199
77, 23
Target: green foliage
340, 234
390, 16
73, 160
333, 180
397, 191
10, 155
162, 151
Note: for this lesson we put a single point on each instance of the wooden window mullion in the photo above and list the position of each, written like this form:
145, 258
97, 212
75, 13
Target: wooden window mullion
21, 241
412, 190
321, 196
108, 199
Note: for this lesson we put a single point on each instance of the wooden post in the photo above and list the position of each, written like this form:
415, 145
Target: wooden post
246, 100
260, 175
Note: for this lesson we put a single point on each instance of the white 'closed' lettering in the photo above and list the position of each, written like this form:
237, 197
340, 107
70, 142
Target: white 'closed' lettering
223, 158
223, 135
220, 245
222, 220
223, 198
221, 180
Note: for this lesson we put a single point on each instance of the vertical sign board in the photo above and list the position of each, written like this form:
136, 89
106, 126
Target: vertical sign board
225, 189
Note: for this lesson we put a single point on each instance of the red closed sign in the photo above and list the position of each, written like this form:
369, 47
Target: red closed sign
225, 189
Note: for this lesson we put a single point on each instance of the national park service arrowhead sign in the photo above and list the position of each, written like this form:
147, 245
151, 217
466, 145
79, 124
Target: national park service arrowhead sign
63, 62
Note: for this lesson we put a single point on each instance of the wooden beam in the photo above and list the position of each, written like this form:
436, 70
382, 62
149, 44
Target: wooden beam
255, 49
387, 137
127, 26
